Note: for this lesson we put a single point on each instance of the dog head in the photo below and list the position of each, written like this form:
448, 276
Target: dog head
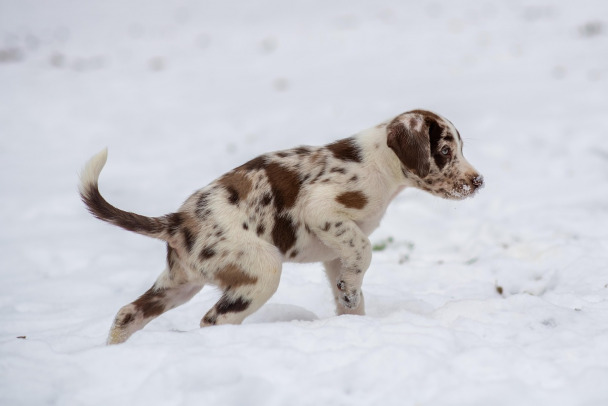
430, 151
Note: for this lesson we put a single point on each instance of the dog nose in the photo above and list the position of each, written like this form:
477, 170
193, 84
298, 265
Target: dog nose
478, 181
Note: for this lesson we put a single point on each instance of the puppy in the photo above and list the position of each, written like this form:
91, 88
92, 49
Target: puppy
305, 204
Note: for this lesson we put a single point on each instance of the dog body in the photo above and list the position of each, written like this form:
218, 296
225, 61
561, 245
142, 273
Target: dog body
307, 204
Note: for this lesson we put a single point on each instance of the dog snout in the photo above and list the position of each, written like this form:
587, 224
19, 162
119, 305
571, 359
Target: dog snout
477, 180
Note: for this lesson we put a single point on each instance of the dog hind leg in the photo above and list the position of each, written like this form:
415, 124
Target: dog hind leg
171, 289
245, 293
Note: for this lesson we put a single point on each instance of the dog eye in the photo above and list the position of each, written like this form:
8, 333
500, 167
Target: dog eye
445, 150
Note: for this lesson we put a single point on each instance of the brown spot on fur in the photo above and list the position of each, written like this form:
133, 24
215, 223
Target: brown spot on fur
151, 303
302, 150
210, 319
326, 226
207, 253
174, 221
338, 170
171, 257
346, 150
233, 195
235, 305
237, 184
260, 230
283, 233
352, 200
285, 185
266, 199
202, 205
294, 254
129, 317
233, 276
255, 163
189, 238
321, 173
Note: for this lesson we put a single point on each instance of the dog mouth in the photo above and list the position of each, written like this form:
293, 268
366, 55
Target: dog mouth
460, 193
464, 189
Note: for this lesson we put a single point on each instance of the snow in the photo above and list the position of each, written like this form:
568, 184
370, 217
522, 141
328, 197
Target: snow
501, 299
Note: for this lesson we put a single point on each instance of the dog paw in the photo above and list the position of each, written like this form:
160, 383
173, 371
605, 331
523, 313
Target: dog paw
349, 298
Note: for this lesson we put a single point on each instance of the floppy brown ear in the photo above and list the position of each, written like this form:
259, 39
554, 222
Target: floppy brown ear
411, 146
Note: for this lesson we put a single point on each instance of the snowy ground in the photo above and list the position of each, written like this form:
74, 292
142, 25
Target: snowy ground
497, 300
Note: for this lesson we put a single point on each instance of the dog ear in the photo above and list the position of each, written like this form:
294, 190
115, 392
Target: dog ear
411, 146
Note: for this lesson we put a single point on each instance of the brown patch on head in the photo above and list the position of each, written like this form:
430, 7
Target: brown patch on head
233, 276
285, 185
346, 150
237, 184
352, 200
283, 233
410, 145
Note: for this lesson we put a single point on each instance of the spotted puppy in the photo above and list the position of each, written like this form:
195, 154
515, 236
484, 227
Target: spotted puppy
305, 204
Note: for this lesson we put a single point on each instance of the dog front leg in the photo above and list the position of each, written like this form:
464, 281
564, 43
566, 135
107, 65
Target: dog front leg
346, 273
333, 270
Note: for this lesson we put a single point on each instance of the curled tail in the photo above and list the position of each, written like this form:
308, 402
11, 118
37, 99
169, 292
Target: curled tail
157, 227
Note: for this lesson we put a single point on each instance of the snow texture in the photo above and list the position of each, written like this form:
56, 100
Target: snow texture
497, 300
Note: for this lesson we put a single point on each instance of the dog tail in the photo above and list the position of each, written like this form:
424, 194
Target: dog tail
157, 227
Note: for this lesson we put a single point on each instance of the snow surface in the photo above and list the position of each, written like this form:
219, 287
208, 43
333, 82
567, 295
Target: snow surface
497, 300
